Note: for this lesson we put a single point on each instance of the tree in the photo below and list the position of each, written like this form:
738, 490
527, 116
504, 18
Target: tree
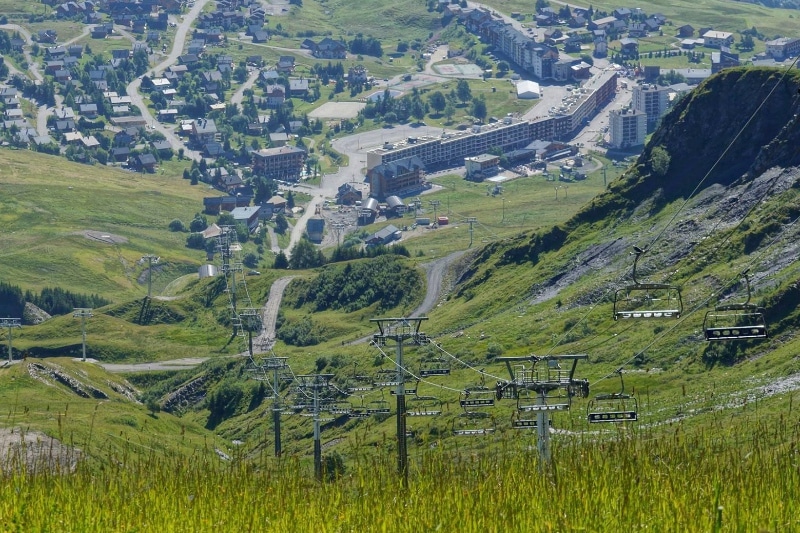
437, 101
479, 108
503, 67
176, 225
196, 241
281, 261
659, 161
281, 225
449, 111
418, 109
198, 223
305, 255
463, 92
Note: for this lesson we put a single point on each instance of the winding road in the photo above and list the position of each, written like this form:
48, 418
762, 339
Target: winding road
182, 30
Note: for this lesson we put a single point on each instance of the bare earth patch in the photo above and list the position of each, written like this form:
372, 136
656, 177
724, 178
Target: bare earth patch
102, 236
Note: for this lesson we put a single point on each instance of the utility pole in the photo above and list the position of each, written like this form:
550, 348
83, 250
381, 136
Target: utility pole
471, 220
83, 313
10, 323
316, 383
150, 258
400, 330
435, 204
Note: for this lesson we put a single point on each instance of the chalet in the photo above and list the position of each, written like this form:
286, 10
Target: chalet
348, 194
139, 25
143, 162
75, 50
329, 49
120, 153
224, 62
196, 46
686, 31
54, 53
66, 125
50, 67
88, 110
47, 36
298, 87
604, 23
622, 13
178, 70
212, 80
213, 149
121, 53
629, 47
16, 44
167, 115
204, 130
189, 60
261, 36
285, 64
275, 139
247, 216
723, 59
254, 61
269, 76
637, 29
717, 39
153, 37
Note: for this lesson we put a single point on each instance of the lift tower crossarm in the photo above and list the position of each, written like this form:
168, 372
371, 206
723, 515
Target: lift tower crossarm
536, 358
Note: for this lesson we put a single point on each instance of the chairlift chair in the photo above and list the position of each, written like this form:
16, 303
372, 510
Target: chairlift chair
613, 407
385, 377
378, 407
437, 367
476, 399
647, 300
423, 405
736, 321
470, 424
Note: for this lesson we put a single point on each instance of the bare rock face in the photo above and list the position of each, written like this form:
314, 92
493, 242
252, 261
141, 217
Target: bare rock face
33, 451
33, 315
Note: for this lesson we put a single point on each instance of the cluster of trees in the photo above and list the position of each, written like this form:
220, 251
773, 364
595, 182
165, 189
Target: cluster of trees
386, 280
369, 46
54, 301
390, 109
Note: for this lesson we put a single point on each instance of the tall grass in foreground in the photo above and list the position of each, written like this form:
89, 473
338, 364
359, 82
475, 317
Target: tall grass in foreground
632, 483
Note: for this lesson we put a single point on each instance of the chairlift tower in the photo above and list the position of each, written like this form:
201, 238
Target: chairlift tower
471, 221
83, 313
275, 365
543, 383
316, 383
400, 330
151, 259
10, 324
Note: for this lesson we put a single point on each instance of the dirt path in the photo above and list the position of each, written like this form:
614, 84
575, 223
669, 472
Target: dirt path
269, 314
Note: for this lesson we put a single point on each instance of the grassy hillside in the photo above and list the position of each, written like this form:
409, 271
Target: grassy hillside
48, 205
709, 412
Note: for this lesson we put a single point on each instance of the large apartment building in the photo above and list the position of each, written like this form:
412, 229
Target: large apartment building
652, 100
451, 148
281, 163
628, 128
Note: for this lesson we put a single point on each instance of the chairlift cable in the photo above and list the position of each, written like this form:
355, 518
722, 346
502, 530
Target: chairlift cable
418, 378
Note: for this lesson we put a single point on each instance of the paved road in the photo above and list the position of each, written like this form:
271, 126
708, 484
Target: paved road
238, 96
181, 31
